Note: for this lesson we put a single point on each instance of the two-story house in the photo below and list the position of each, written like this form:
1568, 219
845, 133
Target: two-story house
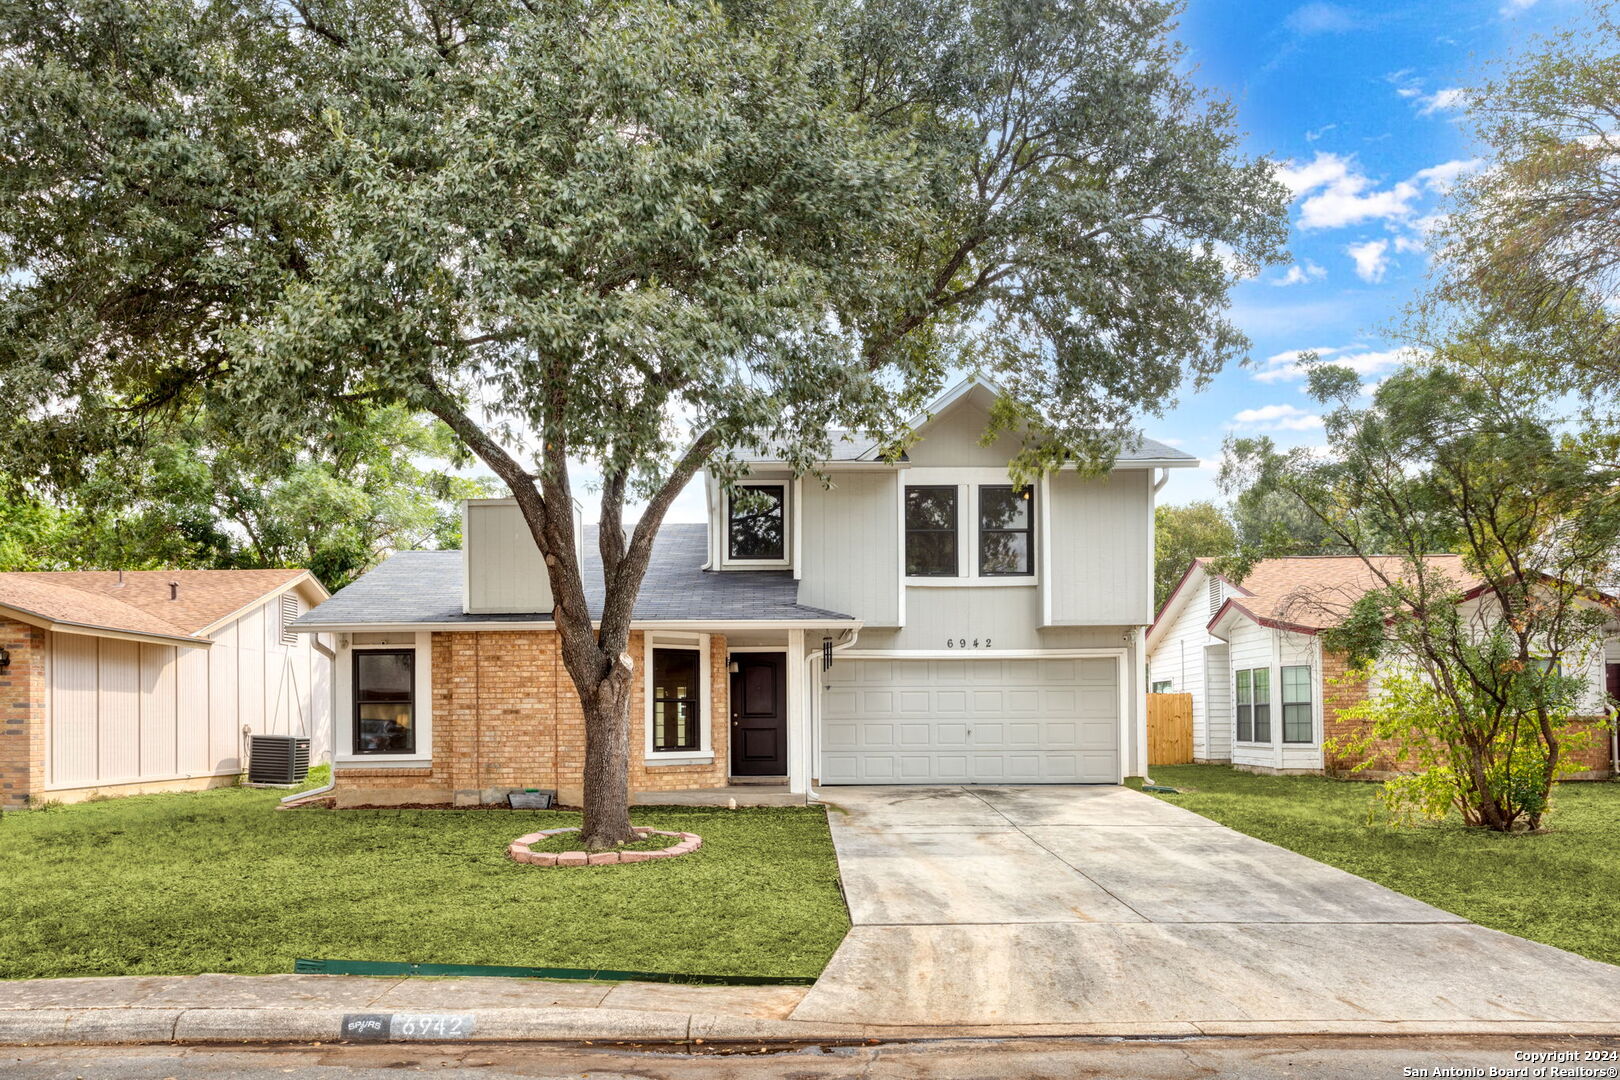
920, 621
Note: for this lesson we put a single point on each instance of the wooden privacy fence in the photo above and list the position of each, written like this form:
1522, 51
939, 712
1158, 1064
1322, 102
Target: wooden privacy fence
1169, 724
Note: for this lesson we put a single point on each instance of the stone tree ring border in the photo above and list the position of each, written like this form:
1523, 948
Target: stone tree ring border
519, 849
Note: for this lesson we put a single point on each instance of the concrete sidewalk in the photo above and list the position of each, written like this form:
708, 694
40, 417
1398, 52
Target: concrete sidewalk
217, 1009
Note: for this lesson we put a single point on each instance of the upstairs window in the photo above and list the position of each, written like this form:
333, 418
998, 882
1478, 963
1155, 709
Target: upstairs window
385, 701
757, 526
1296, 704
931, 532
1006, 532
676, 701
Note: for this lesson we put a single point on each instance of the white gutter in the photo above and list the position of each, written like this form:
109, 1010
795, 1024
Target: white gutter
815, 727
331, 720
1158, 485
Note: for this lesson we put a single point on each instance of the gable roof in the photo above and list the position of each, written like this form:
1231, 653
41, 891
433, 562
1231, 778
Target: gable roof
415, 588
137, 602
1312, 593
1140, 453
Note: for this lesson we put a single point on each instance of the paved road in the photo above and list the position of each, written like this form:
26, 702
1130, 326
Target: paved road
1268, 1058
1101, 905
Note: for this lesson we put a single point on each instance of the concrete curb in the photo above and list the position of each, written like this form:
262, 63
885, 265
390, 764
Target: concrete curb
57, 1027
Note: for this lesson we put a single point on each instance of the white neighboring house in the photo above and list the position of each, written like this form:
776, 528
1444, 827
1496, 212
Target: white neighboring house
115, 683
1262, 686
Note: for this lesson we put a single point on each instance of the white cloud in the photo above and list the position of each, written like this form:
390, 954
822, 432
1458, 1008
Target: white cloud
1442, 177
1370, 259
1277, 418
1338, 193
1514, 7
1358, 358
1301, 274
1321, 18
1446, 100
1317, 133
1408, 245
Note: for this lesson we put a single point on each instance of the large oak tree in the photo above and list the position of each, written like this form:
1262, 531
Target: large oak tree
641, 234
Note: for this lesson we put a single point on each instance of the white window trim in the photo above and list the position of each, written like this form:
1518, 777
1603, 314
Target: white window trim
343, 754
699, 643
789, 528
967, 483
1273, 713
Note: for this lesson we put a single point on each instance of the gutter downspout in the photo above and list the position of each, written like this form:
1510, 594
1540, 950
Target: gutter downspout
810, 792
331, 721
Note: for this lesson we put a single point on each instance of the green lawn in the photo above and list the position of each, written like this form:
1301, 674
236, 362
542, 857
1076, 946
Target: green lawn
1561, 887
220, 881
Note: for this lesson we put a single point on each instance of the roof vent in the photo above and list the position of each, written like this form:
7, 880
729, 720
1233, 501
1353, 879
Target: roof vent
174, 590
1214, 596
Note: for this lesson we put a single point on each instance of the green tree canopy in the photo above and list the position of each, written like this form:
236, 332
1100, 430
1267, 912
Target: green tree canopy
1453, 457
197, 497
1198, 530
641, 233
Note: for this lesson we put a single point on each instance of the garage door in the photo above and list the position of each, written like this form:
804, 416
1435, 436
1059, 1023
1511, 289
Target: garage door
971, 721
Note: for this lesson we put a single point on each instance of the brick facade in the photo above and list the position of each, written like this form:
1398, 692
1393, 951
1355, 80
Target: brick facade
506, 717
22, 714
1349, 692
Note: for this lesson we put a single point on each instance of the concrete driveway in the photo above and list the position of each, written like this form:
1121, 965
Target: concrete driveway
1103, 906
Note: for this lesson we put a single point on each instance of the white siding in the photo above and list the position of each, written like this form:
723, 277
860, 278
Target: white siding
1217, 703
1102, 571
122, 712
850, 538
1179, 657
501, 564
1255, 646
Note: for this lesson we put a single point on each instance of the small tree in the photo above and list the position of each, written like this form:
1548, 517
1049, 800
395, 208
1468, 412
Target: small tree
1453, 457
638, 233
1199, 530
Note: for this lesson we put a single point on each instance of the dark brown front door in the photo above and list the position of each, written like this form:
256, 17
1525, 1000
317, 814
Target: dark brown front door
759, 715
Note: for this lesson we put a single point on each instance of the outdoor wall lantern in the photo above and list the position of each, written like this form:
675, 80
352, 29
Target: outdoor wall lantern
5, 659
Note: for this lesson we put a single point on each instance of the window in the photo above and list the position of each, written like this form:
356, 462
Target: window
1253, 701
931, 532
676, 702
1006, 532
1262, 704
1162, 686
385, 701
289, 612
1296, 704
1245, 708
757, 527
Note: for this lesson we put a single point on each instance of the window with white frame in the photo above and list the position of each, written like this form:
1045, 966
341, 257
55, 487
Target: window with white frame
1006, 531
1253, 704
1161, 687
931, 531
677, 688
384, 701
1297, 726
756, 523
961, 531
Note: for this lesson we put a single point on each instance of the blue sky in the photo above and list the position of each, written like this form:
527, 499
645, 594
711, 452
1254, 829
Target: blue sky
1363, 104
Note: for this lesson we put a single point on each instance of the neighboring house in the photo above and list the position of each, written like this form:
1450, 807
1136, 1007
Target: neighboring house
116, 683
975, 634
1265, 694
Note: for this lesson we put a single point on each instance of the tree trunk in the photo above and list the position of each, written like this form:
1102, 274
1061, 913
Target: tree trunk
607, 759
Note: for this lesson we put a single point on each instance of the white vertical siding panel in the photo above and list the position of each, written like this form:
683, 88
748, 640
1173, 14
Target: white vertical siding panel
71, 743
1101, 573
191, 712
1218, 701
119, 706
224, 724
250, 693
158, 714
851, 534
1251, 648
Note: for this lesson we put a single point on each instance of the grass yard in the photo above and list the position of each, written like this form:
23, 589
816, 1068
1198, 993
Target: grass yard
1560, 887
218, 881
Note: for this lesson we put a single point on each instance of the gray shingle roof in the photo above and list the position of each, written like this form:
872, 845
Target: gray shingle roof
425, 587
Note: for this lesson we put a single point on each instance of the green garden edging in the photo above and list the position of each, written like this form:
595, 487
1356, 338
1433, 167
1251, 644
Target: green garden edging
388, 967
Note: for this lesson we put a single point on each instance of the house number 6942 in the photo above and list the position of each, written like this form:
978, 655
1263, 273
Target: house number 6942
963, 643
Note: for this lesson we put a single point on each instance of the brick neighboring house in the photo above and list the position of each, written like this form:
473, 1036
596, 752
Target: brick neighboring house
979, 632
117, 683
1267, 695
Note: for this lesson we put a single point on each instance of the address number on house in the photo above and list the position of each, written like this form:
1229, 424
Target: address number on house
967, 643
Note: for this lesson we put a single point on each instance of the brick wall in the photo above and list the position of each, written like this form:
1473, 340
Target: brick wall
506, 716
22, 714
1594, 759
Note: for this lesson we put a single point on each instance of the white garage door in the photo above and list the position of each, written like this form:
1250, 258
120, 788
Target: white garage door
971, 721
